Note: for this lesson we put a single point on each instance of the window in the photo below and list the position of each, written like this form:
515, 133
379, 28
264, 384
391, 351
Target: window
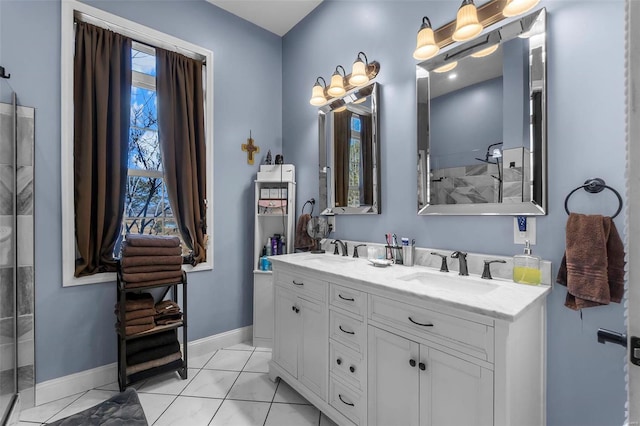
354, 198
147, 208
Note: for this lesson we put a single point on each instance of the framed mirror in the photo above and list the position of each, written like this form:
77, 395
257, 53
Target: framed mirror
482, 131
350, 153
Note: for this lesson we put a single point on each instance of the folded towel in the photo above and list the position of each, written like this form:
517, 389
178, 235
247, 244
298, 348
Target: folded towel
128, 250
153, 353
150, 276
150, 260
137, 301
135, 329
141, 321
131, 315
151, 268
166, 319
303, 240
154, 363
144, 343
167, 307
140, 240
154, 282
145, 374
593, 264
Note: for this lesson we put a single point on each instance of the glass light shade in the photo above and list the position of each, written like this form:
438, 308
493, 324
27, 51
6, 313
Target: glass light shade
358, 74
518, 7
467, 24
337, 86
447, 67
426, 46
317, 96
486, 52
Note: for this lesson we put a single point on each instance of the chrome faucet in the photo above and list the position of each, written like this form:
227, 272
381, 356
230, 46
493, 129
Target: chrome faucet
343, 245
462, 259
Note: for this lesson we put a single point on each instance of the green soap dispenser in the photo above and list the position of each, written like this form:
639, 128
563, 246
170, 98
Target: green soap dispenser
526, 267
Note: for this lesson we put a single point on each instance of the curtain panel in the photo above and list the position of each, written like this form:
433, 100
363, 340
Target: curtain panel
341, 141
102, 99
179, 87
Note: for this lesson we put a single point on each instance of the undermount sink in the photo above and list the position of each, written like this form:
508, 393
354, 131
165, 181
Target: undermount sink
467, 285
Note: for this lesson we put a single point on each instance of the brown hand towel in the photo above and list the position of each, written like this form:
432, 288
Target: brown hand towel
140, 240
168, 321
593, 265
150, 276
155, 363
167, 307
138, 302
303, 240
135, 329
150, 260
140, 313
151, 268
163, 318
128, 250
141, 321
153, 282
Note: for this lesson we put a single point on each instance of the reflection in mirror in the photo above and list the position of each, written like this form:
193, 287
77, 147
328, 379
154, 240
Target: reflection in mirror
482, 124
348, 130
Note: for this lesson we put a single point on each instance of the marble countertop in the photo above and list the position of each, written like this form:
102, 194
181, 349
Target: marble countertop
498, 298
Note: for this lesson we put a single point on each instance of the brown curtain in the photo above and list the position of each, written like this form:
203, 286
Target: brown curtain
367, 159
341, 138
179, 88
102, 102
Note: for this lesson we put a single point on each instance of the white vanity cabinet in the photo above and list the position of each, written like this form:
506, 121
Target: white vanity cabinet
368, 349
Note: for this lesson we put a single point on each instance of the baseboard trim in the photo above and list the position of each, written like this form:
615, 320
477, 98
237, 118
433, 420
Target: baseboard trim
83, 381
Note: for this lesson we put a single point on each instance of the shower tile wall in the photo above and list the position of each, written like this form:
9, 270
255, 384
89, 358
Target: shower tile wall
516, 185
25, 273
465, 185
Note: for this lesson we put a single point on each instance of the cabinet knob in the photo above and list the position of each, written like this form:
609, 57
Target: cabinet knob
422, 366
352, 369
338, 361
412, 362
293, 308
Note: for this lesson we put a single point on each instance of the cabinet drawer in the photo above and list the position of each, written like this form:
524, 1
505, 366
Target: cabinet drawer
303, 284
470, 337
347, 299
347, 401
347, 331
347, 364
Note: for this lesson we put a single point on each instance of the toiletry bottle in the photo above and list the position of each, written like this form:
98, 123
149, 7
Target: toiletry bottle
526, 267
274, 245
269, 253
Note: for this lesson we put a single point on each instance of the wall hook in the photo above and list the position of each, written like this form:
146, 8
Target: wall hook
2, 74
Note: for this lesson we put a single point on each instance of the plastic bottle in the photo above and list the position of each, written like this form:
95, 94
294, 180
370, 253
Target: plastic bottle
269, 246
526, 267
274, 245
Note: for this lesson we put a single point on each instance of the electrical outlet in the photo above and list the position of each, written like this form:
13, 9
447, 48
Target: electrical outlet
519, 237
331, 221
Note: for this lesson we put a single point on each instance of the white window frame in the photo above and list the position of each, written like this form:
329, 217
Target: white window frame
71, 8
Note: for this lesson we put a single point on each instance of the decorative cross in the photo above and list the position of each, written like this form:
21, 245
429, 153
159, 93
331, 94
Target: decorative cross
250, 148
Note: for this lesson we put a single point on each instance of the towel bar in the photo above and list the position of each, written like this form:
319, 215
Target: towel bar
594, 186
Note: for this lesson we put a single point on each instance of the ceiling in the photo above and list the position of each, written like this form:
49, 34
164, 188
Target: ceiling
277, 16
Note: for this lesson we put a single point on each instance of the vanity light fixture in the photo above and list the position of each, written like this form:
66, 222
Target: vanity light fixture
359, 75
447, 67
518, 7
337, 83
485, 52
467, 24
317, 94
426, 46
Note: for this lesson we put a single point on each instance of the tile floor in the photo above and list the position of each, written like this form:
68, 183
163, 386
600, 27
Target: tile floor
227, 387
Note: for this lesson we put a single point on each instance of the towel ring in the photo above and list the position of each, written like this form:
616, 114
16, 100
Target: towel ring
311, 201
594, 186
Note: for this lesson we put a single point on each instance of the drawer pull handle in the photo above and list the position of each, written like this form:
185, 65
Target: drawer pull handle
338, 361
345, 402
352, 369
348, 299
418, 323
422, 366
295, 283
346, 331
294, 309
412, 362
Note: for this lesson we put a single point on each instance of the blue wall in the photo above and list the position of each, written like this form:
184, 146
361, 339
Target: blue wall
586, 103
74, 326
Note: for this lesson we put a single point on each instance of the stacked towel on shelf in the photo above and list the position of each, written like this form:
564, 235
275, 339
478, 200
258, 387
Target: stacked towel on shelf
151, 260
139, 312
167, 312
148, 354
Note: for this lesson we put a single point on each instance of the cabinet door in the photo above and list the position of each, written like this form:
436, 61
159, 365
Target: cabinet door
263, 308
393, 397
313, 367
454, 391
285, 349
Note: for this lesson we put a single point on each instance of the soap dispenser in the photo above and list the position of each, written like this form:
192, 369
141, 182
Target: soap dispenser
526, 267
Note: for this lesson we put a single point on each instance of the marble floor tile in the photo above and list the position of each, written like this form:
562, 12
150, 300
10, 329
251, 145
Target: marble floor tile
259, 362
228, 360
244, 346
154, 405
169, 383
241, 413
211, 384
199, 361
189, 410
253, 387
259, 349
293, 415
287, 394
88, 400
44, 412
